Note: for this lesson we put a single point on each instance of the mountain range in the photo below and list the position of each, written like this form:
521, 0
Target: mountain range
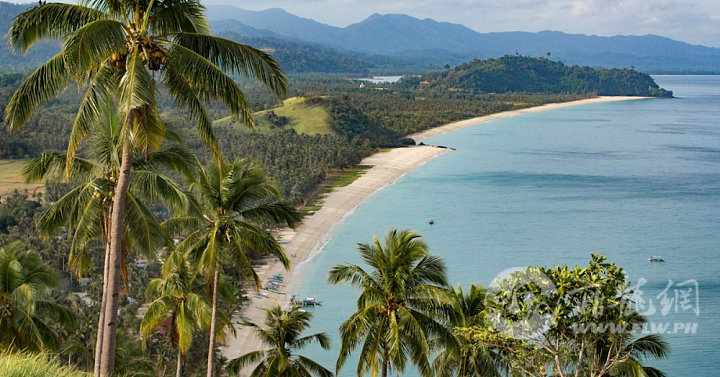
400, 35
397, 43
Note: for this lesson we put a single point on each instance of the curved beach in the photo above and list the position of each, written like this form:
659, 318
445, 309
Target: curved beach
316, 230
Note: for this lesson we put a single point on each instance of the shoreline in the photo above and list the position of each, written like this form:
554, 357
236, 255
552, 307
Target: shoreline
315, 231
513, 113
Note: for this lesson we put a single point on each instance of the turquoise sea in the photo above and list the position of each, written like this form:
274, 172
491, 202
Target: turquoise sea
626, 179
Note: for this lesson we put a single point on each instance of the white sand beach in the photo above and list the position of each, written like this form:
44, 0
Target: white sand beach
317, 229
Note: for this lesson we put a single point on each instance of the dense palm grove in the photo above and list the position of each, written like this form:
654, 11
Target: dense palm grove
133, 261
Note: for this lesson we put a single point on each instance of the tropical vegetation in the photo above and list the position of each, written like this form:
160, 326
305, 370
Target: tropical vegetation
116, 49
282, 336
131, 198
25, 313
568, 321
237, 202
392, 322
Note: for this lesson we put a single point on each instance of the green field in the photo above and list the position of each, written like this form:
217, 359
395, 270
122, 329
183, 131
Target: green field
304, 119
11, 177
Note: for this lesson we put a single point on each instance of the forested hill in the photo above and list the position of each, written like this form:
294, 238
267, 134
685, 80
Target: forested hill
11, 62
521, 74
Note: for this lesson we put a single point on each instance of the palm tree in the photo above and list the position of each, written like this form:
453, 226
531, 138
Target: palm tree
23, 311
392, 320
457, 354
86, 209
119, 48
282, 338
130, 360
237, 201
178, 301
634, 351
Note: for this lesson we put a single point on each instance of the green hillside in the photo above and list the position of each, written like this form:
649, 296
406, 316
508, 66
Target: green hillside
294, 113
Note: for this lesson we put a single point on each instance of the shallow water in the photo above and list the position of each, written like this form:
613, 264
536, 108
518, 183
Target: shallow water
626, 179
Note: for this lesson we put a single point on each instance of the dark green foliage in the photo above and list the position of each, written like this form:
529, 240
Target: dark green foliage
297, 163
350, 121
17, 209
536, 75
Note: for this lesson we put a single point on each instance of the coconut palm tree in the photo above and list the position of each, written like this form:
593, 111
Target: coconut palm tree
457, 355
282, 336
180, 304
123, 48
86, 209
634, 352
392, 321
638, 350
23, 311
237, 201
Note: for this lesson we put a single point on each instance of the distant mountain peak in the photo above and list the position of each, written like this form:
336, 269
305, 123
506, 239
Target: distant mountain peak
406, 36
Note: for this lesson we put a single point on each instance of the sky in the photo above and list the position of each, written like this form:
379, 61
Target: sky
692, 21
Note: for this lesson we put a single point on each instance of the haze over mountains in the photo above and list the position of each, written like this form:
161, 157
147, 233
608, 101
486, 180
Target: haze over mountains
404, 36
397, 43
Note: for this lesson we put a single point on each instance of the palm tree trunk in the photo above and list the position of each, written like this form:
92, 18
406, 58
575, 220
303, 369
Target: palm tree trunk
117, 220
178, 370
213, 327
101, 319
385, 364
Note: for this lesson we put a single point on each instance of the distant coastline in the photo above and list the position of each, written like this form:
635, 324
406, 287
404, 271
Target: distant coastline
312, 235
512, 113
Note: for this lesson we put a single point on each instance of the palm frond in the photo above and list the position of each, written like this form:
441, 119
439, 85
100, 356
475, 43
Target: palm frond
210, 81
234, 366
176, 16
237, 58
142, 229
314, 367
136, 89
97, 96
91, 45
49, 21
156, 186
52, 165
41, 86
187, 96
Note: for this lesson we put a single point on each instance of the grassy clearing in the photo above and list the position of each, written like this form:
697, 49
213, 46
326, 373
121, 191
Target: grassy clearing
332, 181
304, 119
11, 177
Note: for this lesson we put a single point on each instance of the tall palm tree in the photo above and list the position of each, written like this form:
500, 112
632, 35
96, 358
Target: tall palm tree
120, 48
237, 201
392, 320
23, 311
86, 209
178, 300
457, 355
282, 336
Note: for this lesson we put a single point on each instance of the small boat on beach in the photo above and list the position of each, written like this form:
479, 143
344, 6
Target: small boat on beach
656, 258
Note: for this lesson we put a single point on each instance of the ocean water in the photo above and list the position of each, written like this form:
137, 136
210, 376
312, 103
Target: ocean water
627, 179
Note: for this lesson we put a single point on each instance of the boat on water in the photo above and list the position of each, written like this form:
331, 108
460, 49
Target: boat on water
308, 301
656, 258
